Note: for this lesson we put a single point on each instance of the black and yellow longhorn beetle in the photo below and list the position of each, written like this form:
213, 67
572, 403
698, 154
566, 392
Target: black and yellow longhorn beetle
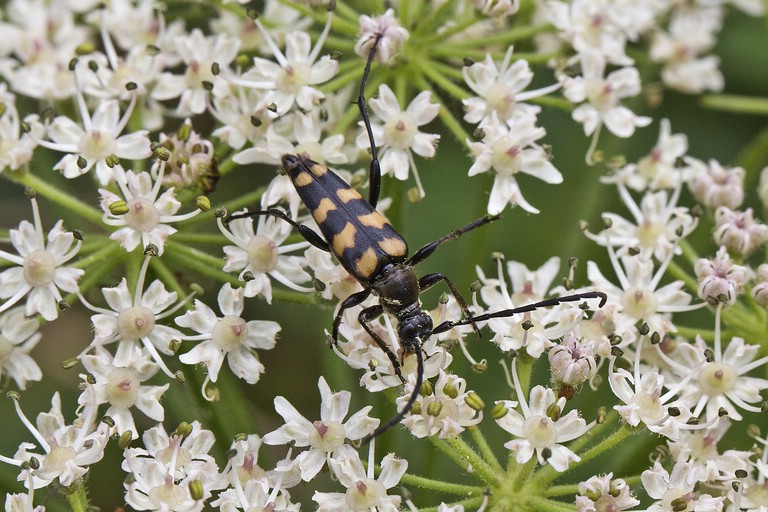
370, 249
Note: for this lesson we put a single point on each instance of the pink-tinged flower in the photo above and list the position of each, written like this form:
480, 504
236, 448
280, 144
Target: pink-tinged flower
714, 185
600, 97
399, 134
97, 140
535, 432
163, 473
135, 320
292, 78
660, 485
68, 450
508, 152
364, 492
122, 387
602, 492
391, 36
739, 231
325, 436
148, 212
199, 53
39, 274
500, 90
259, 253
720, 278
228, 336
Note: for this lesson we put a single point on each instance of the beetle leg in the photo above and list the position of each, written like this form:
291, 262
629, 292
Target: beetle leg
554, 301
373, 313
426, 251
305, 231
350, 302
430, 280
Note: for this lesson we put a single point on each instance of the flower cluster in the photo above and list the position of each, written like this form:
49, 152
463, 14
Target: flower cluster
132, 125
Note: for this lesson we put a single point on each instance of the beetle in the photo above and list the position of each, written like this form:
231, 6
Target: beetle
376, 255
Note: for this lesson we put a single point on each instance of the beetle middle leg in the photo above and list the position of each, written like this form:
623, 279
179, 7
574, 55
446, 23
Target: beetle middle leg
430, 280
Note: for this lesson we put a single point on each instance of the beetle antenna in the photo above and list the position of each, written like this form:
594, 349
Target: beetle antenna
409, 404
374, 174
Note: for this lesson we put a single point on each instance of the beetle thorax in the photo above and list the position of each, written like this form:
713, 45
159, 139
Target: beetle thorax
398, 288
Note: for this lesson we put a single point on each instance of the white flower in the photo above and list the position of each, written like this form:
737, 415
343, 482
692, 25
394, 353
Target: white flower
307, 133
400, 135
122, 387
500, 90
657, 226
134, 320
536, 432
509, 151
162, 473
96, 141
714, 185
39, 271
199, 53
677, 486
449, 399
18, 336
644, 401
603, 493
16, 148
147, 216
364, 493
640, 294
261, 255
600, 97
68, 450
229, 337
291, 79
527, 286
324, 437
42, 39
391, 36
659, 169
722, 382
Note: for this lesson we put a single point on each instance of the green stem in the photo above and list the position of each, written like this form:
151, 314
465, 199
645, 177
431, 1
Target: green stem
548, 474
678, 272
440, 486
540, 504
58, 196
562, 490
465, 458
77, 496
199, 261
167, 277
749, 105
485, 449
200, 238
691, 332
428, 68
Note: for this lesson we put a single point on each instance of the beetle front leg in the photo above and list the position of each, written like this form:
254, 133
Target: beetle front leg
372, 313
